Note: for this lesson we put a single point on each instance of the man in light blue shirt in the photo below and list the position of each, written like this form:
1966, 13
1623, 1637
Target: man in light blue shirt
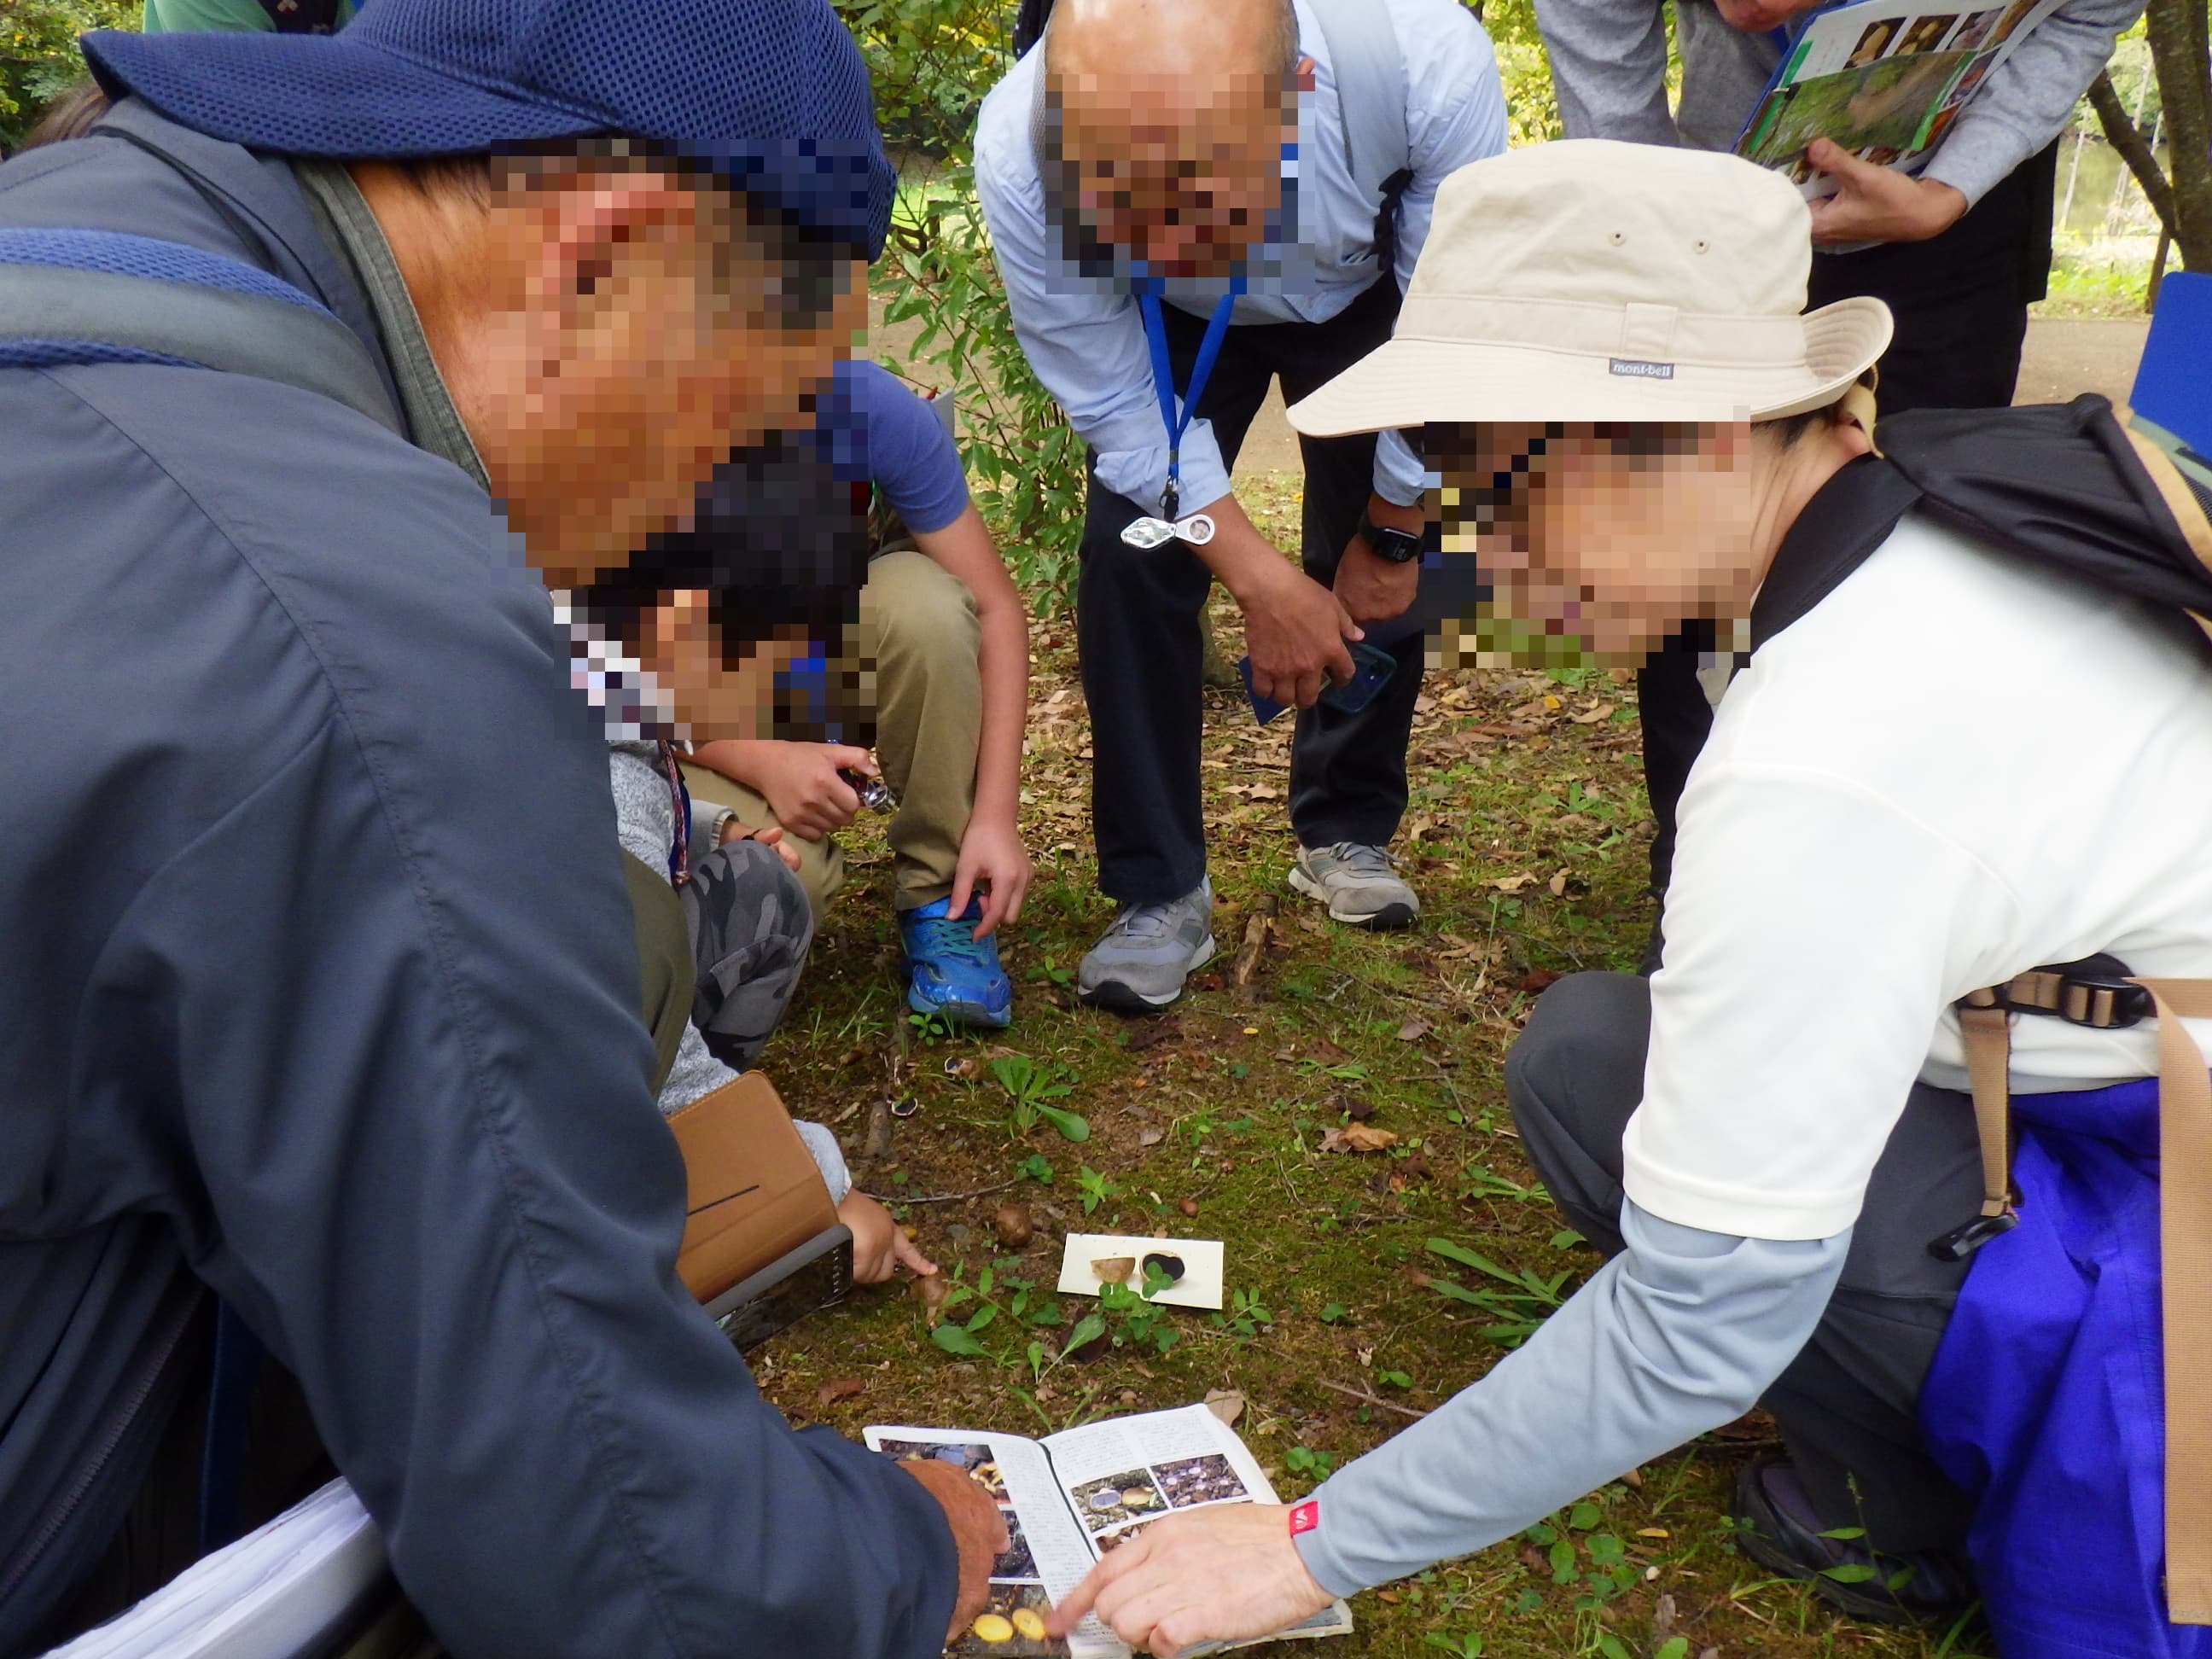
1197, 163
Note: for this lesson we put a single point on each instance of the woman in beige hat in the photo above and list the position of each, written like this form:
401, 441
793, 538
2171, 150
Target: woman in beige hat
1630, 416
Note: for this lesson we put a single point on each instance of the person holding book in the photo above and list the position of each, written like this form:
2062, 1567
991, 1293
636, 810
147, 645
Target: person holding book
323, 984
1958, 252
942, 645
1804, 1201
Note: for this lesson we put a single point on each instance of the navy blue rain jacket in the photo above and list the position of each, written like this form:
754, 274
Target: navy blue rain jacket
317, 986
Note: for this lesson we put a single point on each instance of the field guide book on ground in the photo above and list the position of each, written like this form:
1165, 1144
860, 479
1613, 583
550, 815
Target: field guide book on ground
1071, 1497
1884, 79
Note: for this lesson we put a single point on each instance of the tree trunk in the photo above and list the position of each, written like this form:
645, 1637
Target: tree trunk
2120, 131
2181, 57
1215, 670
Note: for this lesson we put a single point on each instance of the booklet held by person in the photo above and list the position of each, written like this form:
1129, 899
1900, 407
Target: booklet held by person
1071, 1497
1884, 79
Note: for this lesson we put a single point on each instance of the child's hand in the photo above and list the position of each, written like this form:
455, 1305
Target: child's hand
878, 1246
771, 837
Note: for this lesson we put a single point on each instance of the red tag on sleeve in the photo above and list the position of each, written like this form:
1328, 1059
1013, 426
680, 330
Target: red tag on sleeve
1304, 1517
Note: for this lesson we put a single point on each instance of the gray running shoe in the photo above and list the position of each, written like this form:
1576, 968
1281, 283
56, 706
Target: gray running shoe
1141, 963
1360, 884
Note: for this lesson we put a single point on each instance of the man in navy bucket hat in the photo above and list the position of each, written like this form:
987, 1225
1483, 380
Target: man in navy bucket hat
321, 995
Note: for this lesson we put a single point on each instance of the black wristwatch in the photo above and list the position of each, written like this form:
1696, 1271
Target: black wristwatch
1393, 546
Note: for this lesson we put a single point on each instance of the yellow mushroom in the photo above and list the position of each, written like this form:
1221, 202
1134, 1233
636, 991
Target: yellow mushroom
990, 1628
1027, 1621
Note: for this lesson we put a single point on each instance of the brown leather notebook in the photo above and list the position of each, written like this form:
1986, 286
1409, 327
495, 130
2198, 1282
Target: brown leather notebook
754, 1194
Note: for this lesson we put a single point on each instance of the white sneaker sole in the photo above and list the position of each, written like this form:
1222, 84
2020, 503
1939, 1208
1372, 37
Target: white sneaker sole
1391, 915
1113, 994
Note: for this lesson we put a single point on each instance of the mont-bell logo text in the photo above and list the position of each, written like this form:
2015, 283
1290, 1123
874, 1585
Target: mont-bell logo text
1637, 369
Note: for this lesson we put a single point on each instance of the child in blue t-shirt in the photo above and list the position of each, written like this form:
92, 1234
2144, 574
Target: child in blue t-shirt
943, 646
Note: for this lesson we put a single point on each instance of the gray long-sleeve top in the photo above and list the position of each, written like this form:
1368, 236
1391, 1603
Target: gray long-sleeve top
645, 819
1609, 67
1680, 1333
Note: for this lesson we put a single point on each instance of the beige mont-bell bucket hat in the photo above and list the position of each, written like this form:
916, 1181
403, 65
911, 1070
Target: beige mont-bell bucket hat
1587, 280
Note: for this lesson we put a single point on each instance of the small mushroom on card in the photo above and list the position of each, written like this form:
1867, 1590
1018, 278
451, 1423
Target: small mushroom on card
1027, 1622
1113, 1269
1170, 1267
993, 1627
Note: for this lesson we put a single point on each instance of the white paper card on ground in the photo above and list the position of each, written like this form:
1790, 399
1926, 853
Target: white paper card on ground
1200, 1285
283, 1589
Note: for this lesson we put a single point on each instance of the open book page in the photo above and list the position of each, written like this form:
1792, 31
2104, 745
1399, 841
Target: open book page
1048, 1554
288, 1588
1884, 79
1124, 1474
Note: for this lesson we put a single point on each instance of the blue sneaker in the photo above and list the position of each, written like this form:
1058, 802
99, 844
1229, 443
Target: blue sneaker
949, 973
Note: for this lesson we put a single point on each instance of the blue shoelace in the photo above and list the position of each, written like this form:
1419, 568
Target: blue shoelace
949, 936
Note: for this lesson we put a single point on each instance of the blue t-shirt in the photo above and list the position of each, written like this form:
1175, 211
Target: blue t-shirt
873, 429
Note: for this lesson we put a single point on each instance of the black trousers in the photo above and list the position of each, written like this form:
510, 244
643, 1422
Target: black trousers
1961, 300
1138, 629
1847, 1405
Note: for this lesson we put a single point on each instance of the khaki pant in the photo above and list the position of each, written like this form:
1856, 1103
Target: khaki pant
919, 642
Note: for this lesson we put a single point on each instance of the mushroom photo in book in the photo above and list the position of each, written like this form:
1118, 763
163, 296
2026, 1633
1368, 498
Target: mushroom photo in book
1884, 79
1070, 1497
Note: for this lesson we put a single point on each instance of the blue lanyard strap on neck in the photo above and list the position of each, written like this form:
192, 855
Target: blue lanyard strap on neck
1177, 422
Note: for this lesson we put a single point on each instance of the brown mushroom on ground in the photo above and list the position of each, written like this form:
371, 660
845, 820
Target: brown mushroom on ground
1014, 1226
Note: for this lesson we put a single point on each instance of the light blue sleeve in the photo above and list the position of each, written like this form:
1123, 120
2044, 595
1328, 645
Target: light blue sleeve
1084, 340
1679, 1333
2028, 102
1455, 114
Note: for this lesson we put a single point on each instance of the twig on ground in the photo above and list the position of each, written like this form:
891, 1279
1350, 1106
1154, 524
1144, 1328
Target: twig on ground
877, 1149
1369, 1397
944, 1197
1246, 968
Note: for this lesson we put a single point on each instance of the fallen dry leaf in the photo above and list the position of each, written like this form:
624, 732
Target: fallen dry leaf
1559, 884
843, 1387
1752, 1428
1511, 884
1358, 1138
1150, 1136
1594, 716
1227, 1404
1412, 1031
1151, 1033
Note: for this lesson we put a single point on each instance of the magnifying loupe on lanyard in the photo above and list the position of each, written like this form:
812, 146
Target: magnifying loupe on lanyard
1197, 530
1147, 533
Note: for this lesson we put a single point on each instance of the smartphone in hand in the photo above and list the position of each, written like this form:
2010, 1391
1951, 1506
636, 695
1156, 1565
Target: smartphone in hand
1371, 668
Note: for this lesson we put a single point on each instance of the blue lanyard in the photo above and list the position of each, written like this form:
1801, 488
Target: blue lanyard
1178, 423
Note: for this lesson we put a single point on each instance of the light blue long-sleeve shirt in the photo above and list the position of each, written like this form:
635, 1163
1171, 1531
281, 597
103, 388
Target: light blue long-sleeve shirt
1680, 1333
1083, 337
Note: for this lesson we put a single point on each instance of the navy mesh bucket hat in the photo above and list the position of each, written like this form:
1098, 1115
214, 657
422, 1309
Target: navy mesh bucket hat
770, 92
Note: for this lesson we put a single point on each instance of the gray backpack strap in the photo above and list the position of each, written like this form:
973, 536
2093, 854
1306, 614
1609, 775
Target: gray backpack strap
1370, 89
232, 333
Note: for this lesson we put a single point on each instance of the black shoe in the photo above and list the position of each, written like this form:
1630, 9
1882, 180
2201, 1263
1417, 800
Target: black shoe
1776, 1527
